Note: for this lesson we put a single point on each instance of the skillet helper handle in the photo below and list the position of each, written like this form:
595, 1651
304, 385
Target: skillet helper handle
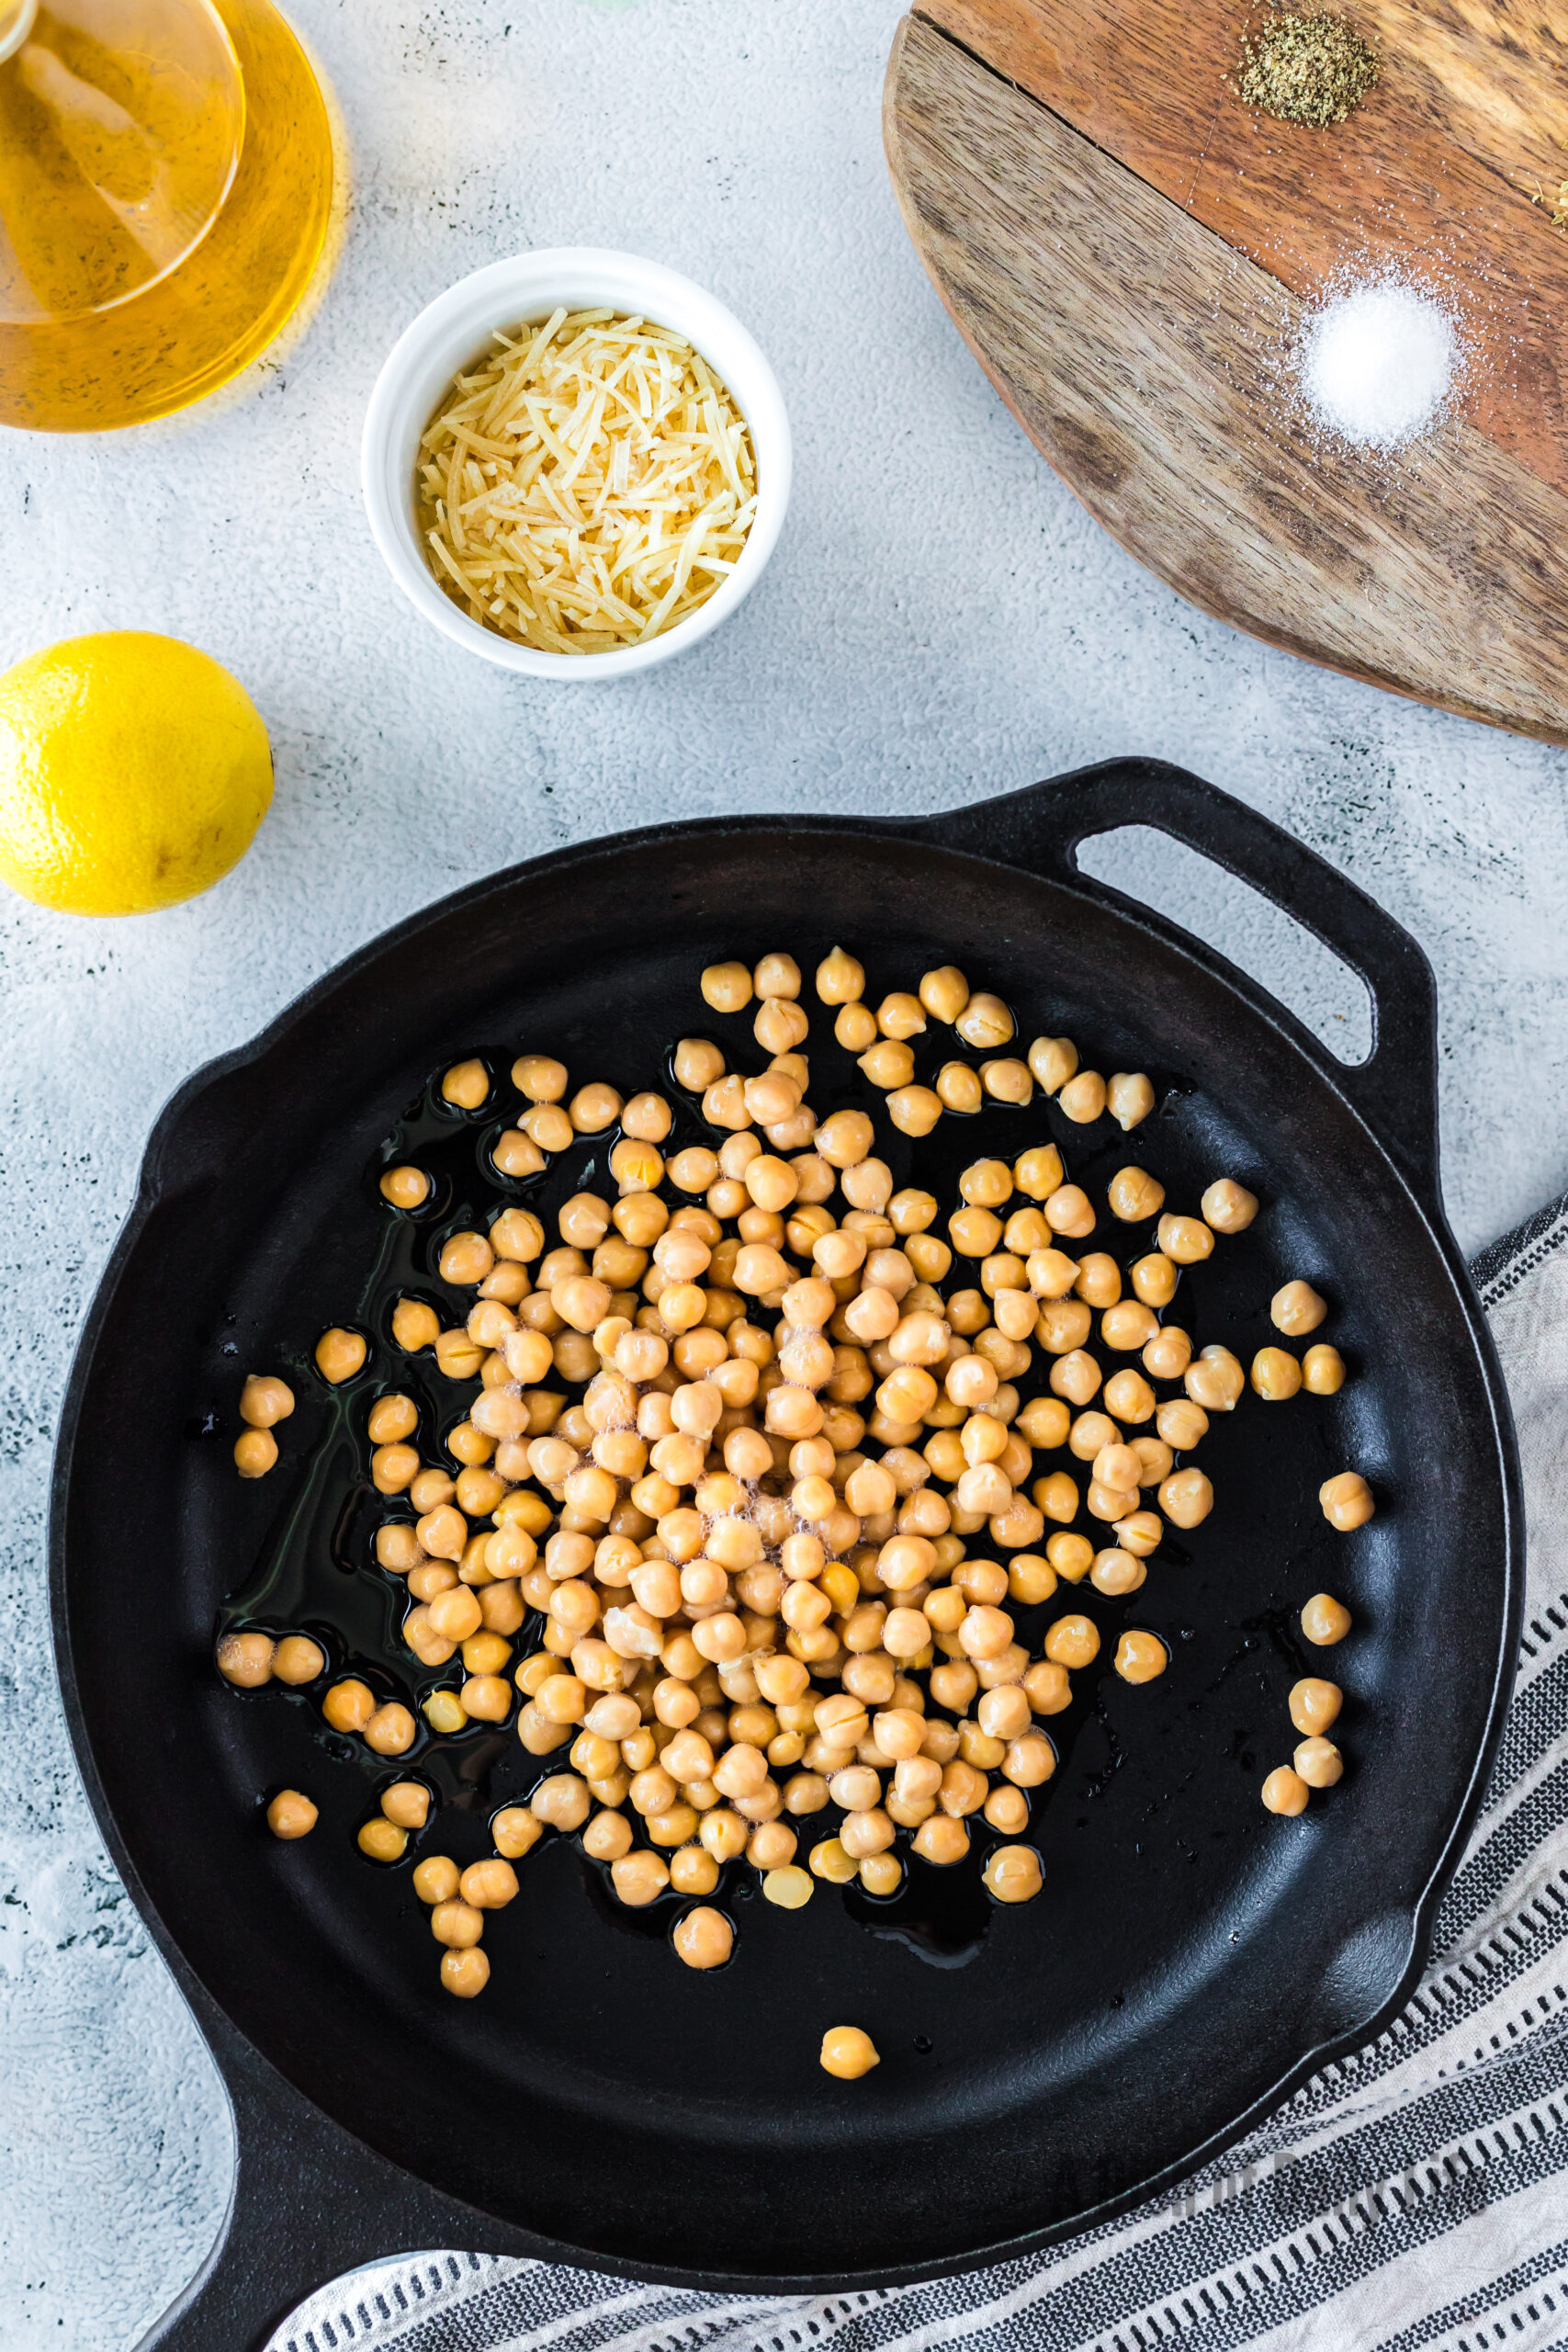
1395, 1089
309, 2203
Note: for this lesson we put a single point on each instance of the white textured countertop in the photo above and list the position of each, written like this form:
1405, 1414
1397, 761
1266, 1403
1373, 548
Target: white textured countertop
941, 621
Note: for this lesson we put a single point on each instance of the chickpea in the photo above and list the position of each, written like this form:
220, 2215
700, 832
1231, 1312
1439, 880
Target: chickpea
639, 1878
1007, 1080
265, 1401
726, 988
1285, 1791
1083, 1098
435, 1879
464, 1973
1128, 1098
390, 1729
290, 1815
1140, 1656
1323, 1370
405, 1187
1073, 1642
488, 1886
781, 1025
516, 1830
1346, 1501
457, 1924
848, 2052
1214, 1380
1297, 1309
593, 1108
380, 1840
856, 1028
1013, 1874
1315, 1704
880, 1874
246, 1659
517, 1155
256, 1452
348, 1706
914, 1110
1228, 1207
443, 1711
1275, 1374
943, 1841
1324, 1621
1169, 1353
1186, 1497
406, 1804
1319, 1762
1116, 1573
340, 1355
777, 974
697, 1064
414, 1325
692, 1869
466, 1085
702, 1938
391, 1418
1135, 1195
298, 1660
839, 979
959, 1088
1181, 1423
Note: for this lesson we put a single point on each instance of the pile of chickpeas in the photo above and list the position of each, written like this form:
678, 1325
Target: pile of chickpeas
778, 1540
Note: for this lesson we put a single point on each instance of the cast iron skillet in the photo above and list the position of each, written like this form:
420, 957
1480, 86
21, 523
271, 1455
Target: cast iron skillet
1191, 1960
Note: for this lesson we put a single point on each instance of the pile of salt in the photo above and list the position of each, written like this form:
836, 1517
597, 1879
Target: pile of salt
1378, 363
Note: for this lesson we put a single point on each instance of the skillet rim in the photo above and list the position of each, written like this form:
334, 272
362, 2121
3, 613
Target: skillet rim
1054, 864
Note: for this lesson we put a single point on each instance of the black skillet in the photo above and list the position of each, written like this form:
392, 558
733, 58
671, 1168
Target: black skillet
1191, 1960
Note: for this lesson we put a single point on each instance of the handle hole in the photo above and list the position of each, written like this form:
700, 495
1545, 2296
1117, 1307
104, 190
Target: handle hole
1229, 915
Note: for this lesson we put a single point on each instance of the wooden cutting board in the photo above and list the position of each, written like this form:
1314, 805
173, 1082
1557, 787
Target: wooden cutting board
1130, 253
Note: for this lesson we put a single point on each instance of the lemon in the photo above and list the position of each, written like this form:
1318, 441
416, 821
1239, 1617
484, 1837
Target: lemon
134, 772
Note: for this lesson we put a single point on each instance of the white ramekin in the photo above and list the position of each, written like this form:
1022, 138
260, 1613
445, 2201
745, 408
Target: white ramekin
457, 329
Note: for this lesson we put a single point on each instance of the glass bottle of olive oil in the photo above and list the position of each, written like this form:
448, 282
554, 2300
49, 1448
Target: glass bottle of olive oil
165, 191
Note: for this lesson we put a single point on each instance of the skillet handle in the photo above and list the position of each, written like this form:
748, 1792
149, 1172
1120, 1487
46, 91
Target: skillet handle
1395, 1089
309, 2203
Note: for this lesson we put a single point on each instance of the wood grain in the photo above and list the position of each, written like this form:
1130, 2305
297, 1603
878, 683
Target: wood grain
1432, 174
1146, 360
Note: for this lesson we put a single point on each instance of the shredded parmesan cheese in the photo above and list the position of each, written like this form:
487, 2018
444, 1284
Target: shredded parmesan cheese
588, 486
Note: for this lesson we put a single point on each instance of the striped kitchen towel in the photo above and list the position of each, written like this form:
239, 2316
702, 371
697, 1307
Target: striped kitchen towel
1413, 2198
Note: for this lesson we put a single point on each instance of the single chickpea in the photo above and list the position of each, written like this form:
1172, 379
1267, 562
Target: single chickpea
839, 979
1082, 1099
1228, 1207
1135, 1195
944, 992
1186, 1497
1324, 1621
1013, 1874
1315, 1704
777, 974
1007, 1080
435, 1879
516, 1830
901, 1015
856, 1028
255, 1452
788, 1886
392, 1419
702, 1938
349, 1705
489, 1886
464, 1973
692, 1869
639, 1878
466, 1085
1185, 1240
941, 1840
1128, 1098
1154, 1279
246, 1659
405, 1187
593, 1108
848, 2052
959, 1088
298, 1660
984, 1024
390, 1729
1275, 1374
1140, 1656
914, 1110
340, 1355
1297, 1309
1285, 1791
517, 1155
1323, 1370
1169, 1353
1073, 1642
406, 1803
880, 1874
1181, 1423
265, 1401
1346, 1501
290, 1815
1319, 1762
1116, 1573
726, 988
457, 1924
380, 1840
1215, 1380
